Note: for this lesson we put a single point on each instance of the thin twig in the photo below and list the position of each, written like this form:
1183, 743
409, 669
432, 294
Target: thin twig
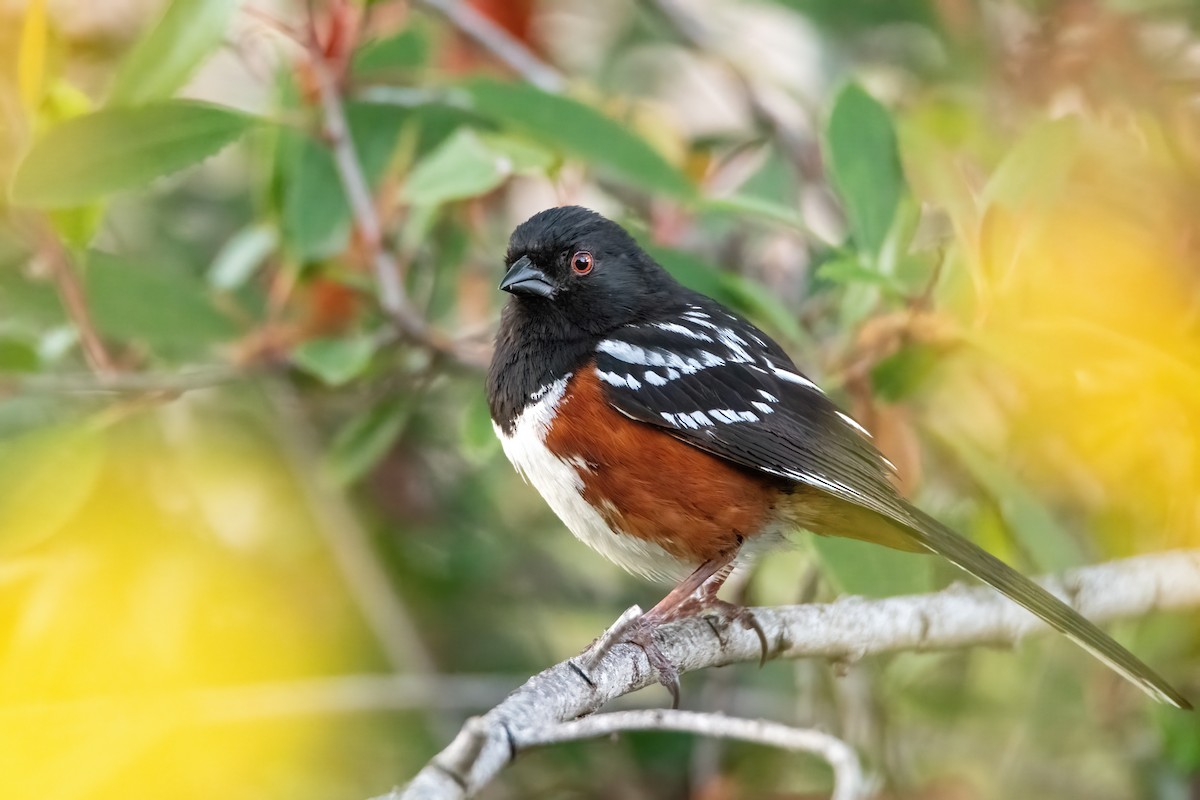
71, 293
122, 382
848, 776
848, 629
499, 42
393, 298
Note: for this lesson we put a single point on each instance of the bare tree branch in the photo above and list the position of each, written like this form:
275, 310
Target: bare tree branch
499, 42
845, 630
848, 777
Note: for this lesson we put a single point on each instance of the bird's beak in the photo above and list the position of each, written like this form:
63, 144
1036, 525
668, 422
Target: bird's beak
524, 278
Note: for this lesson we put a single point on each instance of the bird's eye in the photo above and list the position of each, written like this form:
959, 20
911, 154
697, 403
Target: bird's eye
581, 262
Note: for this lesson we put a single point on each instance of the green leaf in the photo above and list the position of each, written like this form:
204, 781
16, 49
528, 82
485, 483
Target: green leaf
18, 354
316, 218
865, 165
162, 60
749, 205
334, 361
1050, 546
469, 164
871, 570
849, 270
157, 304
902, 373
581, 131
368, 437
737, 291
760, 303
408, 49
122, 148
692, 271
461, 167
1036, 168
241, 256
478, 435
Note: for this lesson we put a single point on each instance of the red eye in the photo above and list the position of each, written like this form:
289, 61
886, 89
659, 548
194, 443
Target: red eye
581, 262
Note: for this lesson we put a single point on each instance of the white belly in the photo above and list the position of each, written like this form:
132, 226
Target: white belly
559, 482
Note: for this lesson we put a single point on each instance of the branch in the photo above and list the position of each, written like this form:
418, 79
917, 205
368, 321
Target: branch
848, 777
123, 382
499, 42
845, 630
392, 296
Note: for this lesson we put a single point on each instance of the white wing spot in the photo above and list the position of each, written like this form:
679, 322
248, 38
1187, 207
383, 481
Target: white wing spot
770, 398
613, 379
763, 407
683, 331
818, 481
729, 415
792, 377
654, 379
853, 423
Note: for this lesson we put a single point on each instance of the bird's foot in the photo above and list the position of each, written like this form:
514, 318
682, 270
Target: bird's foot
730, 613
637, 629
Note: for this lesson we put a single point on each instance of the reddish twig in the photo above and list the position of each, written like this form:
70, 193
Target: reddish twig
70, 292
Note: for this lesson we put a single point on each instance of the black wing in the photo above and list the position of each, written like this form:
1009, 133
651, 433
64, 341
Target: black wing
715, 381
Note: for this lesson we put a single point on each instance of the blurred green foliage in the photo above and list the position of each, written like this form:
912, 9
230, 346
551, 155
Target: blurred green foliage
233, 494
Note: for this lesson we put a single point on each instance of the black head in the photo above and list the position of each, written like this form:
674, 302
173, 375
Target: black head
581, 272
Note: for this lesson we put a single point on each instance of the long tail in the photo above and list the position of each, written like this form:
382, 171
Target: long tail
935, 536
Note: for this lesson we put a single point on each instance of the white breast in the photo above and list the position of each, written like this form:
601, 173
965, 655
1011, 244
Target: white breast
559, 482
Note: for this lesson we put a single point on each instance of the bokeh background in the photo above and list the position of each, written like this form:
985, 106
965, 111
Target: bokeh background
257, 540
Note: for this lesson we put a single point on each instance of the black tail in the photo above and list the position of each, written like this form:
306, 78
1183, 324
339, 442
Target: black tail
936, 537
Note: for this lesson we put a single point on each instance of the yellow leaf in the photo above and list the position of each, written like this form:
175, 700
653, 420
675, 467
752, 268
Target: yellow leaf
31, 61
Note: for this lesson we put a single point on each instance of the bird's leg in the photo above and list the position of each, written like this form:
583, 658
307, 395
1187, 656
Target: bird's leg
695, 594
703, 601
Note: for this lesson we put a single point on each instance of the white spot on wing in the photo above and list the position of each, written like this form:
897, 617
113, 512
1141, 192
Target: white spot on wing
728, 415
820, 482
683, 331
653, 378
621, 381
792, 377
853, 423
770, 398
763, 407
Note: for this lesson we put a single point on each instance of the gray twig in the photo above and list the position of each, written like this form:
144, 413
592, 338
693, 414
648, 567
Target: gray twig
499, 43
848, 776
122, 382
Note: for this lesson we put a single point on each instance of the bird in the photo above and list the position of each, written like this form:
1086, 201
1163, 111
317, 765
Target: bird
680, 441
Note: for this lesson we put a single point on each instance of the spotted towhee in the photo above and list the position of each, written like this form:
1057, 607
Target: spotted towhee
679, 440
